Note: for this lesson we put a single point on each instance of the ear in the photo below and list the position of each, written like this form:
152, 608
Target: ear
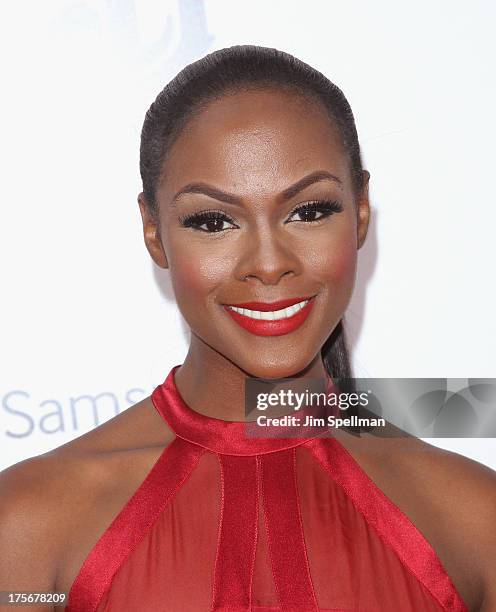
151, 233
363, 210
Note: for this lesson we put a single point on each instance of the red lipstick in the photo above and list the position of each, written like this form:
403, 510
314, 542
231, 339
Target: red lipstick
284, 316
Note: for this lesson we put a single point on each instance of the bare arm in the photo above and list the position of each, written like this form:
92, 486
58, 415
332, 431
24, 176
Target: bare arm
484, 511
29, 537
489, 564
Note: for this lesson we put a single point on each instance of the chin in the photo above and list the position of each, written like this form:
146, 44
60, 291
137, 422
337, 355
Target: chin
275, 368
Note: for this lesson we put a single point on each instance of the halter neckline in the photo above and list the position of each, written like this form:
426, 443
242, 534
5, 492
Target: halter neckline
226, 437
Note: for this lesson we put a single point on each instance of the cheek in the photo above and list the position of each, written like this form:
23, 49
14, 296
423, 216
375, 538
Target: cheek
341, 263
196, 271
336, 265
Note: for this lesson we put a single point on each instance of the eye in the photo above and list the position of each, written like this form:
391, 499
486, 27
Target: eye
208, 221
315, 211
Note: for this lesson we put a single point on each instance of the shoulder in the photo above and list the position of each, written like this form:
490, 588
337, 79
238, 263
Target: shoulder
463, 492
30, 534
43, 497
85, 463
463, 487
435, 476
456, 508
450, 498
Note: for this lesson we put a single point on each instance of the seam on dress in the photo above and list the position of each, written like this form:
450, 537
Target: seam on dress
271, 554
219, 532
300, 522
255, 537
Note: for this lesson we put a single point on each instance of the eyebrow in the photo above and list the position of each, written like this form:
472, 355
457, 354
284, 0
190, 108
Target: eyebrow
289, 192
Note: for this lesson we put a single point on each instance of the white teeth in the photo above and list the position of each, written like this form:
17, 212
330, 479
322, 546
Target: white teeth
267, 316
294, 309
271, 315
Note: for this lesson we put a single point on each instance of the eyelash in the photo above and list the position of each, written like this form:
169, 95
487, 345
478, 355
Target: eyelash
196, 220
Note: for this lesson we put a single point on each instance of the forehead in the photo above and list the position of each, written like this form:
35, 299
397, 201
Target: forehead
258, 140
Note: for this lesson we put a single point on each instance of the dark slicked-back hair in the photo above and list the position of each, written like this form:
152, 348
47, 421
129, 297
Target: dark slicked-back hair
228, 71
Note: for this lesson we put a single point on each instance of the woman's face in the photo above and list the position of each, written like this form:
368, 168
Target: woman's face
233, 230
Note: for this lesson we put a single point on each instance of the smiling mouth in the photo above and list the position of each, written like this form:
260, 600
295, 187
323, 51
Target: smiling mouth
271, 319
270, 315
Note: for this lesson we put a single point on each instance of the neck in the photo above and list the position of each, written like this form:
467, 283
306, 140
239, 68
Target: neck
214, 386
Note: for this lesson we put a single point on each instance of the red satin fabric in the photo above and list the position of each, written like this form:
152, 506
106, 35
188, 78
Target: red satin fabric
227, 522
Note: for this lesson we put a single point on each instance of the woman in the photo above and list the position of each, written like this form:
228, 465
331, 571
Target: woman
255, 199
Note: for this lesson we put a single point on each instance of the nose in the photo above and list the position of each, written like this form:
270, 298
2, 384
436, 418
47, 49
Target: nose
267, 256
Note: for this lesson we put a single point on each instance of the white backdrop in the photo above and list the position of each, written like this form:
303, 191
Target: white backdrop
89, 322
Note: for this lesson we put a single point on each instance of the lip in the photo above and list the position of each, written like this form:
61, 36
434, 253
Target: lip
280, 327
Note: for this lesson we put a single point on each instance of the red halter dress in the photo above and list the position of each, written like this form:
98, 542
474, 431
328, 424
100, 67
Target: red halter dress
225, 522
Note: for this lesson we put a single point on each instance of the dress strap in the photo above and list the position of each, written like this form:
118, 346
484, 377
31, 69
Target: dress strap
131, 525
389, 521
